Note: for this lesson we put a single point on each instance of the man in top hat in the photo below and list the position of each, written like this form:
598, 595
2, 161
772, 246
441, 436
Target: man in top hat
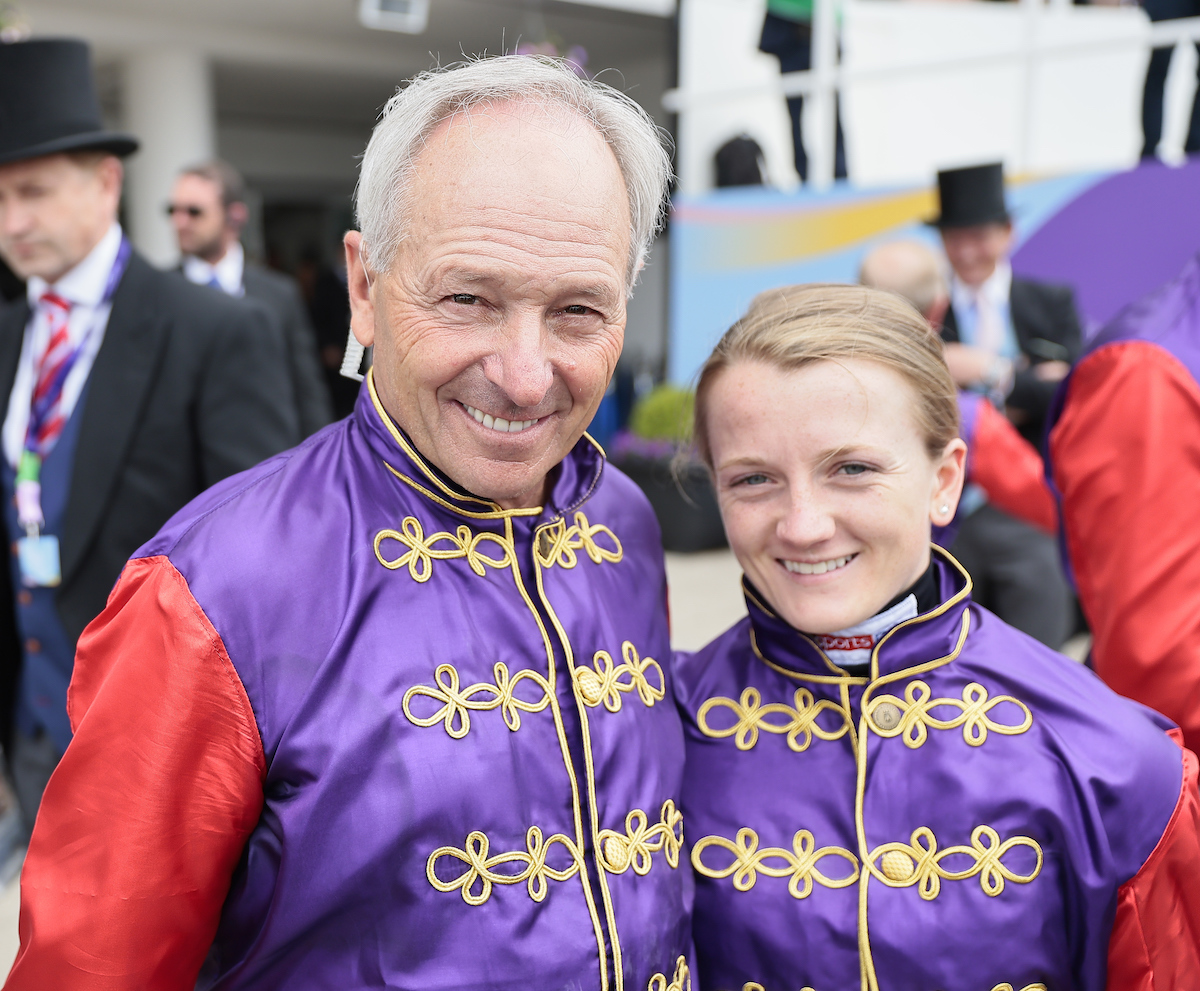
129, 391
1011, 341
208, 211
394, 709
1009, 337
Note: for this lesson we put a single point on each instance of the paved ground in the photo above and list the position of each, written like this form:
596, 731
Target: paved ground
706, 599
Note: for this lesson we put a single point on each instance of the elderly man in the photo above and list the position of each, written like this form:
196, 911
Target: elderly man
127, 390
208, 211
391, 710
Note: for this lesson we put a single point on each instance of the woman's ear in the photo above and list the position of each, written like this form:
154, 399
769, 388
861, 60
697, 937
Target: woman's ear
948, 478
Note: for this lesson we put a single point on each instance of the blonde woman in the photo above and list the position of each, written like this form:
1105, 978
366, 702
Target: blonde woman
887, 787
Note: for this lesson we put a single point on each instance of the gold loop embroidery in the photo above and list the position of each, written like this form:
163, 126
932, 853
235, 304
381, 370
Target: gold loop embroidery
682, 981
973, 714
799, 863
455, 703
633, 848
798, 722
758, 987
605, 684
559, 543
1028, 987
919, 862
481, 867
421, 552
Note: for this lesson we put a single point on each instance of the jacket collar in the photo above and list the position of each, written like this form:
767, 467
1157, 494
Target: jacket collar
922, 643
573, 480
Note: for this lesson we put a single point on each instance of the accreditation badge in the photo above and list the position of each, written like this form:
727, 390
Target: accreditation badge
38, 558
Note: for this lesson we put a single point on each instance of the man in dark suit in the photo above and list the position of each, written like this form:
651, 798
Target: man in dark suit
1013, 340
208, 211
129, 391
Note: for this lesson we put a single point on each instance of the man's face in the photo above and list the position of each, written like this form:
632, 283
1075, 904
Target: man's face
500, 322
974, 252
54, 210
198, 217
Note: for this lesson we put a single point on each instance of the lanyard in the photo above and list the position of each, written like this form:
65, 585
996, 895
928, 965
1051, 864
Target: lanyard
29, 469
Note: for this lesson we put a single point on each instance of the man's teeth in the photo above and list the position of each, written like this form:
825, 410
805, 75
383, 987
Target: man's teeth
802, 568
498, 422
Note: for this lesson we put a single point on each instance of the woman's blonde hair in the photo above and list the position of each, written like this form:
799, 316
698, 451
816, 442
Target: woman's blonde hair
794, 326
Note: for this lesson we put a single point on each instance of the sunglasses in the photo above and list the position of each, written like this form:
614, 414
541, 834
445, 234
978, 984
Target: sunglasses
191, 211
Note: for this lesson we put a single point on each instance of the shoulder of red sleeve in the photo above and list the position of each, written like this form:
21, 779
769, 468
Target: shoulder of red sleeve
1155, 941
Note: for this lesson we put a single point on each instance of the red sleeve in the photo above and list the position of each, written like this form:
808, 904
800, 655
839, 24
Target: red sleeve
1155, 942
1008, 468
145, 818
1126, 458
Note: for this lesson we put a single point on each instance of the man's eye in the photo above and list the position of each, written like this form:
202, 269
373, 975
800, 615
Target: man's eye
854, 469
465, 299
577, 310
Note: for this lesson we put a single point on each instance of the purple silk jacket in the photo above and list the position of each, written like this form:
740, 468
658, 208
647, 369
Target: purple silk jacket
961, 821
473, 762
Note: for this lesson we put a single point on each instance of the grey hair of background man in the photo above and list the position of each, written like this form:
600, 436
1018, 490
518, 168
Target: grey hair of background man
907, 268
433, 97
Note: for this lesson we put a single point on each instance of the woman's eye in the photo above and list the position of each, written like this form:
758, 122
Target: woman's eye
755, 479
854, 469
465, 299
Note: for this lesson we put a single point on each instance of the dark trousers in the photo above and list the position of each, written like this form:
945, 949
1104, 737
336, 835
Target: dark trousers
1156, 78
1017, 574
791, 43
34, 759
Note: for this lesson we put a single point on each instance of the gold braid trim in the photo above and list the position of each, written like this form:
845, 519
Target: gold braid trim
481, 867
758, 987
973, 710
421, 552
799, 863
902, 865
605, 684
455, 703
633, 848
1028, 987
682, 981
557, 543
798, 722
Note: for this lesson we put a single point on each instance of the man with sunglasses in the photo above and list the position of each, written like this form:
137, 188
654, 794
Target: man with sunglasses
208, 212
129, 391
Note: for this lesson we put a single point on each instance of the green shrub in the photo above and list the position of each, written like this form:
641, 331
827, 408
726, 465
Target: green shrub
664, 413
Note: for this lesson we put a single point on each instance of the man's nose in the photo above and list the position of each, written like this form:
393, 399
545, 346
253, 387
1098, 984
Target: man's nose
808, 520
521, 364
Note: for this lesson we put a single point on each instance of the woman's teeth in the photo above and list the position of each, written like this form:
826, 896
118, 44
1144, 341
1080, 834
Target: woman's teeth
802, 568
498, 422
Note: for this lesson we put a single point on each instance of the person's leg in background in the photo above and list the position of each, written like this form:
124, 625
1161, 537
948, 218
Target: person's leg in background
34, 759
1156, 78
791, 43
1024, 583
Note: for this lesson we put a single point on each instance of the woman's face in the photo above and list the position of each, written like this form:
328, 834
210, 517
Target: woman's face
825, 486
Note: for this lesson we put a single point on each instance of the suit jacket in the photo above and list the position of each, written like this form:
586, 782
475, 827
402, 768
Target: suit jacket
189, 386
279, 296
1047, 329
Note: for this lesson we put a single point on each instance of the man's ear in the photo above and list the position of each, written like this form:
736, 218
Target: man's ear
236, 216
358, 281
949, 477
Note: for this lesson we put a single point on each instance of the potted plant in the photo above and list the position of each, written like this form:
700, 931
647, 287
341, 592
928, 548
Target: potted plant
654, 452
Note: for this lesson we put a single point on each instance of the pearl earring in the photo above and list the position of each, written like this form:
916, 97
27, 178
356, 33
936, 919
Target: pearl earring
945, 509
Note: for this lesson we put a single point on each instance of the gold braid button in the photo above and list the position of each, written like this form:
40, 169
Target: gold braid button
897, 866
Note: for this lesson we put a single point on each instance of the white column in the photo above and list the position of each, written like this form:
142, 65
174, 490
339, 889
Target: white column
822, 104
169, 106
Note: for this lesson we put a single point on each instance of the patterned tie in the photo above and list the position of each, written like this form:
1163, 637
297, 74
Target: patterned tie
46, 421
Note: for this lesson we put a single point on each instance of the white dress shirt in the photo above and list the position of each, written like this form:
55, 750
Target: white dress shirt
984, 314
83, 287
227, 272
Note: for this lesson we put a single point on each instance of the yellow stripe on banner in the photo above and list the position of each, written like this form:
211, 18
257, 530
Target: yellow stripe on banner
776, 239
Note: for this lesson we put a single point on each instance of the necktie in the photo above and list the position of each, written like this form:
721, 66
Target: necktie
989, 331
215, 283
45, 414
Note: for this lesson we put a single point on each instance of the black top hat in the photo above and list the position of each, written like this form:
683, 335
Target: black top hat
48, 102
972, 196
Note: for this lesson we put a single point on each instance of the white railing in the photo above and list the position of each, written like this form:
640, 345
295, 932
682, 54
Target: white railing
820, 84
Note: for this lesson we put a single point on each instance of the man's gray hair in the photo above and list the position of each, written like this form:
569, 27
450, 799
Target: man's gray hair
433, 97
